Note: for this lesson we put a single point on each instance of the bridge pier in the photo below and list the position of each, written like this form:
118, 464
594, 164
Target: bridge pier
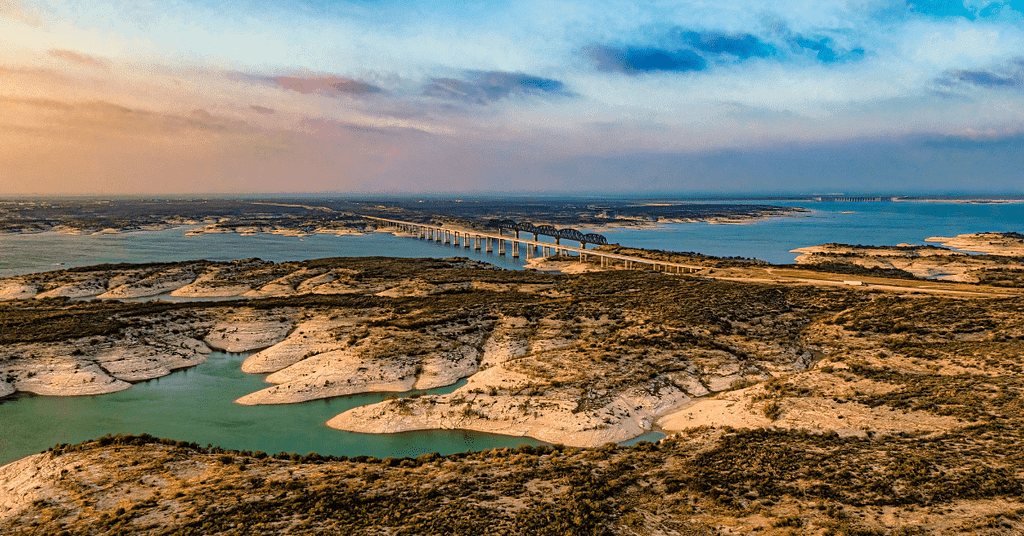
501, 246
489, 244
515, 248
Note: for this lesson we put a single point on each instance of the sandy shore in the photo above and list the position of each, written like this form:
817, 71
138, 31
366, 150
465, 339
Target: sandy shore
85, 368
554, 419
561, 266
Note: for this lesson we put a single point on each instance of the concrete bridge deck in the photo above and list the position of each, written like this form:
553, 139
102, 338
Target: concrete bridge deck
513, 245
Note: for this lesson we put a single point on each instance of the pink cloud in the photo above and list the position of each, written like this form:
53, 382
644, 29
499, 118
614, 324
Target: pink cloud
328, 85
75, 57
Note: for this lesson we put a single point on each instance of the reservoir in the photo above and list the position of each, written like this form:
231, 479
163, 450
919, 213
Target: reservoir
196, 405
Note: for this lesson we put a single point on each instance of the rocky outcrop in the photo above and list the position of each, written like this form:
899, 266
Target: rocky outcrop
930, 262
1006, 244
97, 365
247, 330
12, 289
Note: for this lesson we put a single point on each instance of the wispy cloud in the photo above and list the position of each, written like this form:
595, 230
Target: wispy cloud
1010, 75
742, 45
487, 87
329, 85
826, 51
683, 50
75, 57
14, 10
635, 60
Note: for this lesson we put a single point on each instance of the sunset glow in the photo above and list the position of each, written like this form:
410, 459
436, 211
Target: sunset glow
321, 96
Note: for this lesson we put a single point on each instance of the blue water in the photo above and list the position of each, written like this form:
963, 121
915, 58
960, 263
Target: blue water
28, 253
848, 223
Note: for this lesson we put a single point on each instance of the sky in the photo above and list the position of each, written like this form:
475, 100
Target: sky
253, 96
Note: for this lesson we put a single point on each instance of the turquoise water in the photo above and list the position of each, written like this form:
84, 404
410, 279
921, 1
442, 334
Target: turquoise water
197, 405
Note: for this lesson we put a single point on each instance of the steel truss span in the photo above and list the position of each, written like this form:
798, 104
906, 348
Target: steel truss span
548, 230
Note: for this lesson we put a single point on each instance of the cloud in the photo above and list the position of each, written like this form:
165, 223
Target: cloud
325, 128
487, 87
825, 48
678, 50
742, 45
940, 8
78, 58
827, 51
1007, 76
14, 10
635, 61
106, 119
330, 85
261, 109
683, 50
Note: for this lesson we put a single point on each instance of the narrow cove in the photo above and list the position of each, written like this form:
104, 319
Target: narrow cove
197, 405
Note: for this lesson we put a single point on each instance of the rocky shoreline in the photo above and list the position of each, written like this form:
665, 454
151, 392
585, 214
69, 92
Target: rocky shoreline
1001, 259
580, 359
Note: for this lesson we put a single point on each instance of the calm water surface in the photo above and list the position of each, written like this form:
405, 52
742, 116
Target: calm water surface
197, 405
28, 253
848, 223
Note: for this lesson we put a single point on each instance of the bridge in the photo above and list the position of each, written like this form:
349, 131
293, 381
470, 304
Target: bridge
515, 246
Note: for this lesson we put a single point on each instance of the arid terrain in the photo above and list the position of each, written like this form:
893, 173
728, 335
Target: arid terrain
1001, 262
795, 403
